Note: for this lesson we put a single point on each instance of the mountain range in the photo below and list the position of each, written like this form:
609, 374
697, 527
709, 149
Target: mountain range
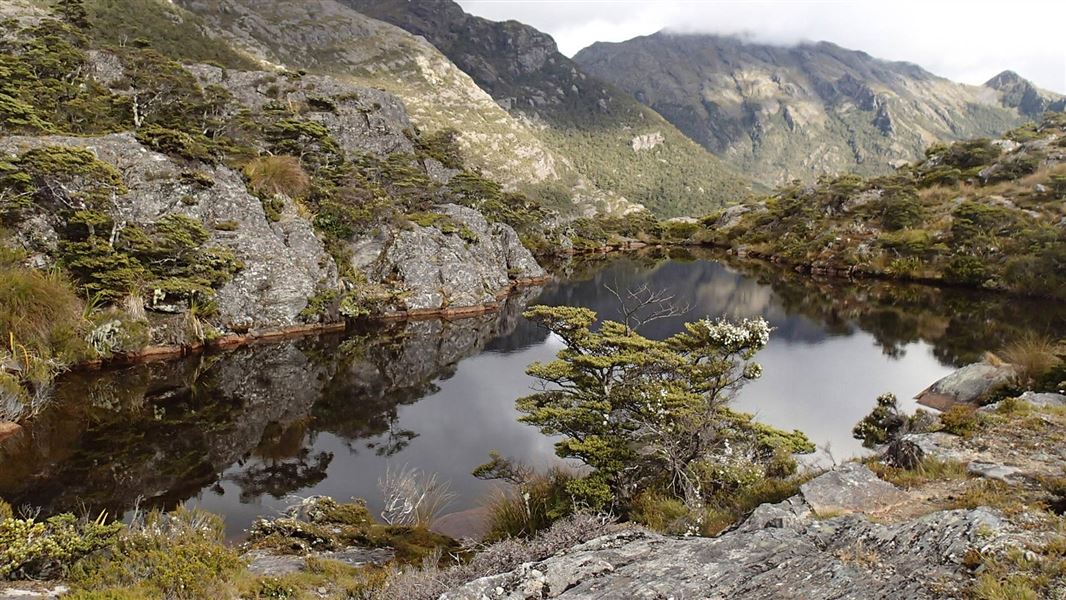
780, 113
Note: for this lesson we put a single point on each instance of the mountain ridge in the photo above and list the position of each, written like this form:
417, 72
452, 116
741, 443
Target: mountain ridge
613, 140
797, 112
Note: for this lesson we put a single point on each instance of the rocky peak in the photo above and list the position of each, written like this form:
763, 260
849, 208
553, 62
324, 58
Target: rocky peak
1018, 92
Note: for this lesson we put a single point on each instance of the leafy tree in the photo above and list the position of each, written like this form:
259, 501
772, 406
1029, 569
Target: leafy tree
73, 12
643, 412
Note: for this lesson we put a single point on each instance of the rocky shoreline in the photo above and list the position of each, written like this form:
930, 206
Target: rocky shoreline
268, 335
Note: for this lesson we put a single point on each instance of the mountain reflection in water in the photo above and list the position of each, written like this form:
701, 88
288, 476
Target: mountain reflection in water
243, 433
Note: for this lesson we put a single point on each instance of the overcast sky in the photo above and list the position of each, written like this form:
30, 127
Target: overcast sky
965, 41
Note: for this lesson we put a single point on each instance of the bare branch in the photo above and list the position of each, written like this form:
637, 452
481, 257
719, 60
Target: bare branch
642, 305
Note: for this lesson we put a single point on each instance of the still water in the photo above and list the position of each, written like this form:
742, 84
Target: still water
245, 433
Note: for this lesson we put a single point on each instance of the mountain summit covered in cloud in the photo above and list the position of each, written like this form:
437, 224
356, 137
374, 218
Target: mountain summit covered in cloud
796, 112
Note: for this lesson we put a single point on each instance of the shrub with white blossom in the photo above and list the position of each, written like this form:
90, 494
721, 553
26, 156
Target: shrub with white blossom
648, 413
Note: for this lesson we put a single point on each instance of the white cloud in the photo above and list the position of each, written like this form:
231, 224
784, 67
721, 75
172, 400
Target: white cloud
965, 41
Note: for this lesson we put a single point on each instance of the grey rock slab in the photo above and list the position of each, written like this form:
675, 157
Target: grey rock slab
263, 562
993, 471
31, 591
1043, 400
843, 558
851, 487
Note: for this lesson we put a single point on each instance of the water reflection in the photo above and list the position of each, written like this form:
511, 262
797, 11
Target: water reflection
241, 433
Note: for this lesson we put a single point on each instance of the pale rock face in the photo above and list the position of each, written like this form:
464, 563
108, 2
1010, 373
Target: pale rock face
442, 270
780, 551
647, 141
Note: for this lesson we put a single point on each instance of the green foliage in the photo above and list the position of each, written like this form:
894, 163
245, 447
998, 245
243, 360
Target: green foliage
441, 146
171, 31
937, 219
941, 175
1014, 168
961, 419
611, 390
901, 208
175, 555
58, 178
321, 307
192, 146
974, 223
167, 261
967, 270
522, 213
908, 242
882, 424
444, 223
970, 154
537, 501
43, 87
37, 549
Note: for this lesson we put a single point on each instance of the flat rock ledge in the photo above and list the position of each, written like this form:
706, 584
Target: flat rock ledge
783, 550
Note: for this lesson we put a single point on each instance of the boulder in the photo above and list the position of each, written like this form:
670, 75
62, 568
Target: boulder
731, 216
969, 385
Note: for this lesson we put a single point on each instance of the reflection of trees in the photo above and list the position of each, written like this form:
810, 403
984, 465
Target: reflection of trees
280, 464
959, 324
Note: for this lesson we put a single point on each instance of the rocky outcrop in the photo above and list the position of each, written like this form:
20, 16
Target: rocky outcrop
284, 263
781, 551
361, 119
282, 258
468, 267
796, 112
1017, 92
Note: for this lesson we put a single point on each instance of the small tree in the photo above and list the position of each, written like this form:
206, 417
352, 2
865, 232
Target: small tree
637, 410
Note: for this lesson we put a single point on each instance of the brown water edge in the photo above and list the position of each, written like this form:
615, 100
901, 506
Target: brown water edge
147, 354
229, 342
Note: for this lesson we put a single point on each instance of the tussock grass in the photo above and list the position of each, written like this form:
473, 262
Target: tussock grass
37, 308
274, 175
530, 507
1033, 355
929, 470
